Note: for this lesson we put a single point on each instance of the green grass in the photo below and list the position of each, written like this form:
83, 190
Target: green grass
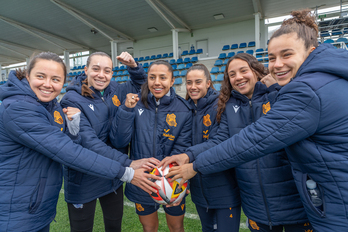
130, 220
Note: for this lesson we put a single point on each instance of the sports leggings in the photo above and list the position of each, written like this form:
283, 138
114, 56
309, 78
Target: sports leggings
82, 217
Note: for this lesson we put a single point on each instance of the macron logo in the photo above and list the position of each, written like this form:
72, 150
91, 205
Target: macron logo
140, 111
91, 106
236, 108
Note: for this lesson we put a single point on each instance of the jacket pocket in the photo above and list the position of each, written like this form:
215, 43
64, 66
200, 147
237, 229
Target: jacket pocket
36, 197
75, 176
317, 211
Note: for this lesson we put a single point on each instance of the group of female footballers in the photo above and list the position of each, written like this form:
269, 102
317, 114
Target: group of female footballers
253, 145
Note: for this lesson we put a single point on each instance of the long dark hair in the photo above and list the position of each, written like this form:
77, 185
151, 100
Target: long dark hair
85, 90
145, 87
22, 73
302, 23
200, 67
226, 87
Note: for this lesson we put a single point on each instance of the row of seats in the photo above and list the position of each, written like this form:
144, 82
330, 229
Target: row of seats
166, 55
78, 67
2, 82
342, 39
241, 45
334, 32
223, 56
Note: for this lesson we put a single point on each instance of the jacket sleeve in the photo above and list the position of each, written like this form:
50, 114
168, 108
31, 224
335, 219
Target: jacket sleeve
122, 127
220, 133
90, 140
29, 125
294, 117
184, 139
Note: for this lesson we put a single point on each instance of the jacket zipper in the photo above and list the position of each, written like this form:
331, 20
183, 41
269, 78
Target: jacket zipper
154, 134
259, 175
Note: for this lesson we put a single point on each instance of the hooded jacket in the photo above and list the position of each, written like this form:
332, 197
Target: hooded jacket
218, 190
310, 120
157, 131
32, 149
97, 114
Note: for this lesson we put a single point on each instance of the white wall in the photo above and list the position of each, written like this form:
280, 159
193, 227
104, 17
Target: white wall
217, 37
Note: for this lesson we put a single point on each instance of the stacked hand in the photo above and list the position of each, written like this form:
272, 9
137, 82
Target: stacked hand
146, 163
268, 80
127, 59
131, 100
179, 159
142, 180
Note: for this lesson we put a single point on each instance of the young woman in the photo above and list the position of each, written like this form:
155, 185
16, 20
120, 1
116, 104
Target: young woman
159, 125
309, 119
216, 196
98, 99
269, 196
33, 147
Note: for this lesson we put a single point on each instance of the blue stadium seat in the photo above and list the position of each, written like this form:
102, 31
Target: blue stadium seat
187, 60
336, 32
259, 59
240, 52
136, 59
159, 56
265, 59
188, 65
126, 72
172, 61
343, 39
251, 52
212, 77
147, 58
145, 70
118, 79
220, 77
345, 30
329, 41
115, 69
259, 50
226, 47
222, 56
170, 55
176, 73
123, 67
225, 62
251, 44
178, 81
324, 33
222, 69
231, 54
165, 55
113, 79
192, 52
184, 53
183, 73
266, 65
152, 57
215, 70
194, 59
141, 59
234, 46
199, 51
145, 65
174, 66
242, 45
181, 66
179, 61
217, 87
218, 63
114, 74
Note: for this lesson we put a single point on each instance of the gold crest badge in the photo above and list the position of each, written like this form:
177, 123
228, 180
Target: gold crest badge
206, 120
139, 207
57, 117
116, 101
253, 225
171, 120
266, 107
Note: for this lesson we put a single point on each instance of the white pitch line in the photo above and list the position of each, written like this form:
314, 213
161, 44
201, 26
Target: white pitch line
160, 210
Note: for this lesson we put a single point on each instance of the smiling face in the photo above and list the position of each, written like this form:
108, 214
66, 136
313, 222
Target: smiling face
241, 77
159, 80
99, 72
197, 84
46, 79
286, 54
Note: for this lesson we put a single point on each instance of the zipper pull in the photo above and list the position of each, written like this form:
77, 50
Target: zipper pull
270, 225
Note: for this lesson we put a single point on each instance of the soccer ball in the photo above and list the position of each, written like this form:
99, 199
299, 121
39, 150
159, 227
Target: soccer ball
169, 192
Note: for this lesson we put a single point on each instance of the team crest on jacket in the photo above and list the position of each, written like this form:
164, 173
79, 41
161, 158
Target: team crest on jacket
116, 101
206, 120
171, 120
266, 107
57, 117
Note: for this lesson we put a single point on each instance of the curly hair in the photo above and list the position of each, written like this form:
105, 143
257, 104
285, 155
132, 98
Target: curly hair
226, 87
302, 23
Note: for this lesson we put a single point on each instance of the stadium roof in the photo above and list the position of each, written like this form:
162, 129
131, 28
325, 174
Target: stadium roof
80, 25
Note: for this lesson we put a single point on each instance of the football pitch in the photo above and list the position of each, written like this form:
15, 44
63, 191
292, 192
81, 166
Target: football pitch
130, 222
